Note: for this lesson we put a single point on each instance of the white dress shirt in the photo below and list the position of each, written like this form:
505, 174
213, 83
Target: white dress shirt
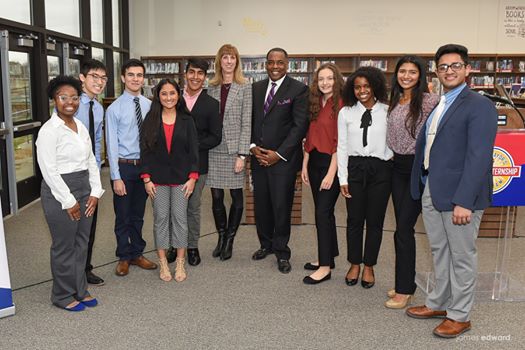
350, 136
60, 150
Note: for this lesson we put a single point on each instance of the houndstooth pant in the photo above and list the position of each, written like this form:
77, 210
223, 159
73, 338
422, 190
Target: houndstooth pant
170, 218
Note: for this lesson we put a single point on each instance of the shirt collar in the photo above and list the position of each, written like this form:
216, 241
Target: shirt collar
454, 92
129, 96
278, 82
84, 98
185, 94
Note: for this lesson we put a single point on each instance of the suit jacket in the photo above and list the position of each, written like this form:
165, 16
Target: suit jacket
283, 128
460, 171
237, 121
173, 168
205, 113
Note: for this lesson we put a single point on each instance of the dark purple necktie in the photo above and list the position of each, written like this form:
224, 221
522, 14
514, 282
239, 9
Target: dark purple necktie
269, 98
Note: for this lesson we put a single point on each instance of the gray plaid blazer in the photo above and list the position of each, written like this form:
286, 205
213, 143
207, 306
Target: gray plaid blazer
237, 123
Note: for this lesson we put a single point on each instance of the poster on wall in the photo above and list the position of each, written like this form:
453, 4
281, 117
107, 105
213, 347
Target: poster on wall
7, 307
512, 20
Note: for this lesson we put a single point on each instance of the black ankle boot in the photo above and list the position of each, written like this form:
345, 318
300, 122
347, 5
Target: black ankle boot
234, 221
219, 215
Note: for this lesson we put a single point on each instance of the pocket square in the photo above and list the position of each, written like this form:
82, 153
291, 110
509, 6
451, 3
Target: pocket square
284, 102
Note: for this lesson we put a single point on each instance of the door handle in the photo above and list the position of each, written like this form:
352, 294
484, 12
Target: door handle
3, 133
27, 126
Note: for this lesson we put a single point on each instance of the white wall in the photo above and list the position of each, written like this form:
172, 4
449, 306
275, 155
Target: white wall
200, 27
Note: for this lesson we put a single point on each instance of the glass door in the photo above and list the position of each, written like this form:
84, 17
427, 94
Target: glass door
4, 132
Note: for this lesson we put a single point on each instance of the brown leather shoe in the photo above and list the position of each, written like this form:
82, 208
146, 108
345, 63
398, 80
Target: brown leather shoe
451, 329
144, 263
122, 268
424, 312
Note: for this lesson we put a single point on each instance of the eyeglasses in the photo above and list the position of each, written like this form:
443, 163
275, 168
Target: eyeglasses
97, 77
456, 67
66, 98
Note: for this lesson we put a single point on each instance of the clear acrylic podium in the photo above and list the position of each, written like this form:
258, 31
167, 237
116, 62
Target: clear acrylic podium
497, 285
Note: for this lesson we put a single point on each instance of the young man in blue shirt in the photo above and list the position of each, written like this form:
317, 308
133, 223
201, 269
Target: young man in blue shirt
123, 122
91, 114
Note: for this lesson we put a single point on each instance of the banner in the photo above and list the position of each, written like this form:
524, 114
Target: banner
508, 161
6, 297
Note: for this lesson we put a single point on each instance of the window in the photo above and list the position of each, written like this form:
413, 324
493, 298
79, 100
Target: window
117, 65
97, 22
115, 12
20, 13
63, 16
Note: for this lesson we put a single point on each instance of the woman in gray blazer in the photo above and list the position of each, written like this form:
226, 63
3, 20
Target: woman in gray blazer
227, 160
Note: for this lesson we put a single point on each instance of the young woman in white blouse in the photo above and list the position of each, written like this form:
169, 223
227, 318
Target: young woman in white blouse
364, 168
70, 191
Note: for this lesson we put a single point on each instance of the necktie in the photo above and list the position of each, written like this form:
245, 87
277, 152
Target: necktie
366, 121
138, 113
432, 130
269, 98
92, 125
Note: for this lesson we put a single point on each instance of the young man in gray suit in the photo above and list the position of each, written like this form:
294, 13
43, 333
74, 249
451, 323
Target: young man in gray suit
279, 124
453, 163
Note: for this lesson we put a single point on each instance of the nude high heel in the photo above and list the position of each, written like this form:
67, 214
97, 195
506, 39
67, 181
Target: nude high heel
180, 270
392, 304
165, 273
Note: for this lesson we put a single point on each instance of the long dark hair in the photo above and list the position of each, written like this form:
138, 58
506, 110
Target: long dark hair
315, 93
375, 78
153, 120
416, 100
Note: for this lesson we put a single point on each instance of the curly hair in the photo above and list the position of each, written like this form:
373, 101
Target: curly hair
238, 77
152, 121
375, 78
315, 93
416, 98
61, 80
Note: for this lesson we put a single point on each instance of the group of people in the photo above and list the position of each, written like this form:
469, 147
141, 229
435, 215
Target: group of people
431, 154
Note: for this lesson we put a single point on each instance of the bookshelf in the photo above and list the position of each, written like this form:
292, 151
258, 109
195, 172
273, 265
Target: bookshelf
487, 69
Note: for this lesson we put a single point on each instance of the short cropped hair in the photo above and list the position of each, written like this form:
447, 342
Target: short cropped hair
132, 62
91, 64
62, 80
196, 62
452, 48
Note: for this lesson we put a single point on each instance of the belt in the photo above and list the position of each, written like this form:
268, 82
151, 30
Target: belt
129, 161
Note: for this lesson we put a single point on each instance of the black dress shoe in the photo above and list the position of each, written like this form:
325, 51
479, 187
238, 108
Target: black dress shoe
261, 254
94, 279
310, 280
284, 265
194, 258
312, 267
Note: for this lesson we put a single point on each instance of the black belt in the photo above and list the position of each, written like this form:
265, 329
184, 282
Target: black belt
129, 161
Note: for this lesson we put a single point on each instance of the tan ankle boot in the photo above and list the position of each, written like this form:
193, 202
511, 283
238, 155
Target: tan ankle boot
165, 273
180, 270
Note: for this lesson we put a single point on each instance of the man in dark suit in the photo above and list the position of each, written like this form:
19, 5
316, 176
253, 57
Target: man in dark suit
205, 112
279, 124
452, 174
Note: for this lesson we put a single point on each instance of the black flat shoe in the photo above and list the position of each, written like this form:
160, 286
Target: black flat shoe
94, 279
366, 284
351, 282
312, 267
310, 280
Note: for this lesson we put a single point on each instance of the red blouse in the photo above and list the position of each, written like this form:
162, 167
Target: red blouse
322, 132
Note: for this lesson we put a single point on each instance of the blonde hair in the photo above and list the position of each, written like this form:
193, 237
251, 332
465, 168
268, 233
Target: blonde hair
238, 77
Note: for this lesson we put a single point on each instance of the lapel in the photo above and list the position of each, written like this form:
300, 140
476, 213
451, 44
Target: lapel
234, 90
452, 108
282, 91
162, 138
197, 106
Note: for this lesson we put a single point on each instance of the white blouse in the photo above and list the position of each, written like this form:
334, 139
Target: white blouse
60, 150
350, 136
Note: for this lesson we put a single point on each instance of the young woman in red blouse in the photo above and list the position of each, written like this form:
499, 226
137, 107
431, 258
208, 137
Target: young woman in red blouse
320, 166
170, 165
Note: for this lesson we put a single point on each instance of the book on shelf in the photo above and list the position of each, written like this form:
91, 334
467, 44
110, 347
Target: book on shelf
380, 64
299, 66
521, 66
504, 65
321, 62
475, 66
161, 67
489, 66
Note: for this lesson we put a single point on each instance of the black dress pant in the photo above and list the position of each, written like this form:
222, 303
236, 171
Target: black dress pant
369, 184
406, 211
324, 202
273, 198
91, 241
